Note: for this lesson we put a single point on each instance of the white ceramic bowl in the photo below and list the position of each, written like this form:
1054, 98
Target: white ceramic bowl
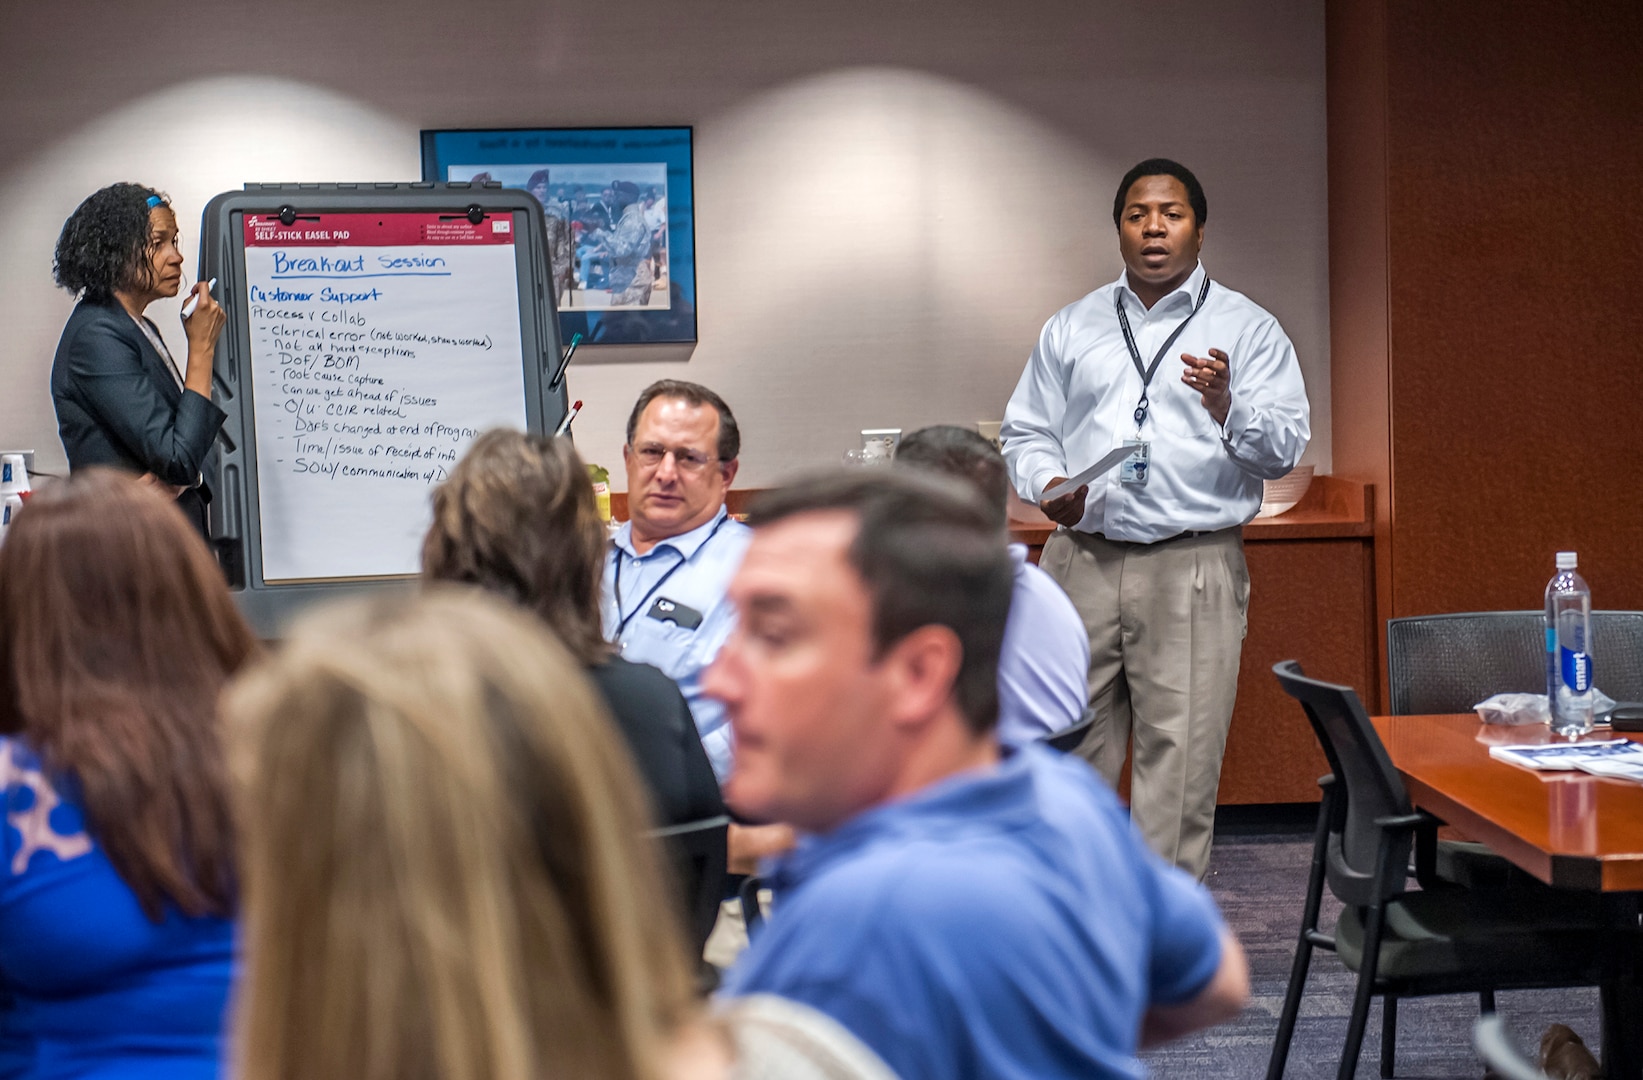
1283, 493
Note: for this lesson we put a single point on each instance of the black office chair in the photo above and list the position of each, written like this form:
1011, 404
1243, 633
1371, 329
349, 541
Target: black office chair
1067, 740
1448, 663
1441, 939
697, 853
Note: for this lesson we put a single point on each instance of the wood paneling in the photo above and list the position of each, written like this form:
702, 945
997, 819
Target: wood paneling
1510, 135
1516, 131
1355, 50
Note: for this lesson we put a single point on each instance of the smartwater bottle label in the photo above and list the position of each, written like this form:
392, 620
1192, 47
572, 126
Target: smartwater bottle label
1551, 639
1577, 671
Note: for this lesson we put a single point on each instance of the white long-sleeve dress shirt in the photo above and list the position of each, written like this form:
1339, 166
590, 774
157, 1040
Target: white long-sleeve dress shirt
1076, 401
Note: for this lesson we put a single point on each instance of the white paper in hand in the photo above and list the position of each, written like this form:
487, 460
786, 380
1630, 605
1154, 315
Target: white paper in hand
1106, 464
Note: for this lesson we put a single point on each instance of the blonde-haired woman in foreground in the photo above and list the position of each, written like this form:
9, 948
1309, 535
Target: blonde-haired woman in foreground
445, 875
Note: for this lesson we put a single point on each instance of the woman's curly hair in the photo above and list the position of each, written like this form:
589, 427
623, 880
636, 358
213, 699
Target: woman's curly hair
104, 243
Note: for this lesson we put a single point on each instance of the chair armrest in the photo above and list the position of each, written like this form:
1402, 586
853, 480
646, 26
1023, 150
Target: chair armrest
1332, 803
669, 832
1425, 828
1390, 873
752, 910
1426, 855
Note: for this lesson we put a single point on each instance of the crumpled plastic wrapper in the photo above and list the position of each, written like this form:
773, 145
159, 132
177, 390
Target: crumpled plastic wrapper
1521, 709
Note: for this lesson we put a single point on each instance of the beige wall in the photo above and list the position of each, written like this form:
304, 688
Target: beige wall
891, 196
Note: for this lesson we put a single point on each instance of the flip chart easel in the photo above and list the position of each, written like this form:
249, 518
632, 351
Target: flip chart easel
373, 332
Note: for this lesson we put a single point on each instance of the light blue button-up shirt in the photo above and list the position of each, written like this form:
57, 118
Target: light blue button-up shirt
690, 572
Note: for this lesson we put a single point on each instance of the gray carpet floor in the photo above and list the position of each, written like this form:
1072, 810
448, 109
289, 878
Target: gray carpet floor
1258, 874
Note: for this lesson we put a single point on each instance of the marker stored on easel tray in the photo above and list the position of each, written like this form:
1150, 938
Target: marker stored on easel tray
564, 425
559, 372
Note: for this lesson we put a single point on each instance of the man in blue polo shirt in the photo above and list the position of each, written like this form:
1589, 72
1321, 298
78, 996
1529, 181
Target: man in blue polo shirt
966, 914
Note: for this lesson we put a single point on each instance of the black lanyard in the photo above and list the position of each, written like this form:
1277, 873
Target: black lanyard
616, 586
1147, 373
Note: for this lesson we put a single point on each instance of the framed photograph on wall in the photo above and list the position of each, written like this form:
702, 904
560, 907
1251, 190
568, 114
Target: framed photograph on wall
620, 213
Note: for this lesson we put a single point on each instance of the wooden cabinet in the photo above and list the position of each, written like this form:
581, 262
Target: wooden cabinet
1312, 599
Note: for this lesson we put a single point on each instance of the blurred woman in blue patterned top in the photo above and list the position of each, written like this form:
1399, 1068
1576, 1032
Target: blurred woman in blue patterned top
117, 874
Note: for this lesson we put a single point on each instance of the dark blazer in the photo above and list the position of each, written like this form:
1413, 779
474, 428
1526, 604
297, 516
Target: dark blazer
656, 722
119, 405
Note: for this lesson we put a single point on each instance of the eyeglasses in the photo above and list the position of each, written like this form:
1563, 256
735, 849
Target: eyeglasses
684, 459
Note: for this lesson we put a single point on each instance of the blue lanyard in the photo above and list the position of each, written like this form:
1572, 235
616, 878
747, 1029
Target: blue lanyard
1147, 373
616, 586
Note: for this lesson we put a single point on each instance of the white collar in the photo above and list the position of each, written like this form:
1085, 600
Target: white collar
1188, 288
685, 543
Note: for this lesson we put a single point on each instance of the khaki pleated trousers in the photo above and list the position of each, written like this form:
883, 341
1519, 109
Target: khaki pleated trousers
1166, 624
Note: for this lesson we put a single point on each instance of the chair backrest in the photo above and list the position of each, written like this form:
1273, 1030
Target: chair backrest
782, 1038
1371, 787
697, 852
1067, 739
1448, 663
1489, 1036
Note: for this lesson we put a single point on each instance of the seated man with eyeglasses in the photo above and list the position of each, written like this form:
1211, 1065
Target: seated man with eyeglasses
664, 588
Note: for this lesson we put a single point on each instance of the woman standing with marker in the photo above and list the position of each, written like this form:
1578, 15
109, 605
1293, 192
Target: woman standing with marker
121, 399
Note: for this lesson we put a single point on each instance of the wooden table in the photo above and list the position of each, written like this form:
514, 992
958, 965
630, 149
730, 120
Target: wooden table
1568, 829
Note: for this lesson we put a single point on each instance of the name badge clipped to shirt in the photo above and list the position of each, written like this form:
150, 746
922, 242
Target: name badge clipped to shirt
1133, 469
680, 615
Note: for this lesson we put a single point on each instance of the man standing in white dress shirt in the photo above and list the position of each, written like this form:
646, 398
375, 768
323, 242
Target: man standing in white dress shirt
1151, 552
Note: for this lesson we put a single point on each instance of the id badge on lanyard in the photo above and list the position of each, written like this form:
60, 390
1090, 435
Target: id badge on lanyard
1133, 470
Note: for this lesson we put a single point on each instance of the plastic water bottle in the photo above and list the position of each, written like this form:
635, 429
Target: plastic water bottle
1568, 638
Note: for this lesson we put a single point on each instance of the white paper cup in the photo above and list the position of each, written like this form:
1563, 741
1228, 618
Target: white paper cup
14, 477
